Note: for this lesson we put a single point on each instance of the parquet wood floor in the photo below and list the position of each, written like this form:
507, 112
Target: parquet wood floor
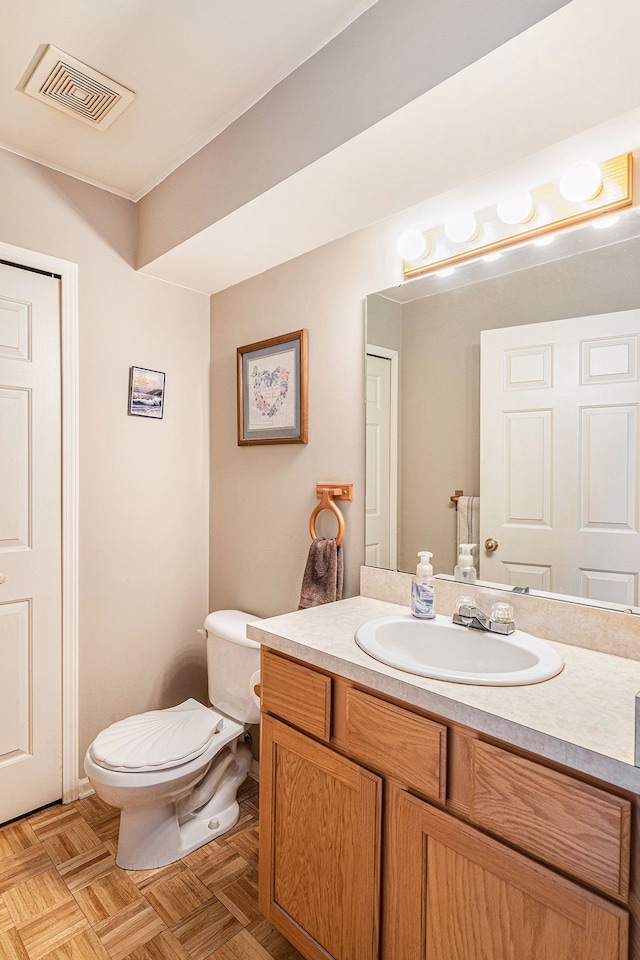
62, 897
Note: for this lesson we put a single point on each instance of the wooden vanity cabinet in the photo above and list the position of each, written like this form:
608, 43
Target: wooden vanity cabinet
320, 843
454, 893
485, 854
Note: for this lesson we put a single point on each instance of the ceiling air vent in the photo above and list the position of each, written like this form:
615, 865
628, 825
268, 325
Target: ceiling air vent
77, 90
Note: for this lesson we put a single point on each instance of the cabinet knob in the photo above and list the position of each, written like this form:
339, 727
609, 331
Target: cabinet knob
490, 544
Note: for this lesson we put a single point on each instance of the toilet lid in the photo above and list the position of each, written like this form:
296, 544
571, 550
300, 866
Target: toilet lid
158, 739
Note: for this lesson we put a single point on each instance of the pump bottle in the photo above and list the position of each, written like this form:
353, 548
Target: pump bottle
464, 571
423, 589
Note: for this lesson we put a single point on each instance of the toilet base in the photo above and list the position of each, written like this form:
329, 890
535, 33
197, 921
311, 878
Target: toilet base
154, 835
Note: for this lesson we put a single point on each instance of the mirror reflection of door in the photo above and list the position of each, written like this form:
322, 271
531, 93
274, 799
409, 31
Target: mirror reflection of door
559, 456
381, 458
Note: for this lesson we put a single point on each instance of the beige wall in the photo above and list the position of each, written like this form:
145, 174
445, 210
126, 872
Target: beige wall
262, 496
143, 483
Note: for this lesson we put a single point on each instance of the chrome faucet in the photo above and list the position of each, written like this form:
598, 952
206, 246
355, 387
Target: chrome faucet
500, 620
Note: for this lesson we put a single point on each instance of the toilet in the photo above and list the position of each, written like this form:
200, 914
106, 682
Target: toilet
175, 773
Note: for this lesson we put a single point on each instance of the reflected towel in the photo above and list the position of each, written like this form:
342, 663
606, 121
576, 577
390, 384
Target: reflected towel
468, 524
323, 574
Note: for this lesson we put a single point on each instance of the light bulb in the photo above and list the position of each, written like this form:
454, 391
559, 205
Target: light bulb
581, 181
412, 245
490, 257
461, 227
515, 207
543, 241
605, 222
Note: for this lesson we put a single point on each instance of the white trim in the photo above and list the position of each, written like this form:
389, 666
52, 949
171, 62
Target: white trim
84, 788
392, 355
70, 444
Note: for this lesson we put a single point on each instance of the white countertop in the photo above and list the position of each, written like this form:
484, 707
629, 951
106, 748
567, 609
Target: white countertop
583, 718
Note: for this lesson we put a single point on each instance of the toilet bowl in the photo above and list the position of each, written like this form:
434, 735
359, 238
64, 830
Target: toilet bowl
174, 773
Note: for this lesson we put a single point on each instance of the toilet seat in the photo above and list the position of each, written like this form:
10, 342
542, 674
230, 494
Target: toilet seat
158, 739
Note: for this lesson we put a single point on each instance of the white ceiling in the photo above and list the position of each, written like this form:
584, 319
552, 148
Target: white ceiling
567, 86
194, 65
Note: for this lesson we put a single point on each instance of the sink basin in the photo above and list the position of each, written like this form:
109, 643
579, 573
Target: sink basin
446, 651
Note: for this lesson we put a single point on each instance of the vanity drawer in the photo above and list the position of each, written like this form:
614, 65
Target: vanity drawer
395, 742
297, 694
580, 829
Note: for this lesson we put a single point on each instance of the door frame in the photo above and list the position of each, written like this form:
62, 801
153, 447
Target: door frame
69, 362
386, 353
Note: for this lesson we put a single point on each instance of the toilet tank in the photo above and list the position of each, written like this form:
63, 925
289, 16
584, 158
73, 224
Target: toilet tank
232, 659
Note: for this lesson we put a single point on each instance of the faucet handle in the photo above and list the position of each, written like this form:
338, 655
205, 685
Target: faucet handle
468, 602
501, 618
501, 613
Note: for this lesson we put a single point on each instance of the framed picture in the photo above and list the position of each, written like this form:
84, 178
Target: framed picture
146, 393
272, 390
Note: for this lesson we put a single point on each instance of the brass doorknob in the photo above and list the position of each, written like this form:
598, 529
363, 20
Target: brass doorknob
490, 544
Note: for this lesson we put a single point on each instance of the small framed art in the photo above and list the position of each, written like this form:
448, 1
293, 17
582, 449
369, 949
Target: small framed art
146, 393
273, 391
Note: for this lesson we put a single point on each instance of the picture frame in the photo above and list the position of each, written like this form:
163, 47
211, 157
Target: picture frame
146, 393
272, 382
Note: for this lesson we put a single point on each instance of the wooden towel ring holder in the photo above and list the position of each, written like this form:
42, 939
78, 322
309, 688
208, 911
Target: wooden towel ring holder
328, 493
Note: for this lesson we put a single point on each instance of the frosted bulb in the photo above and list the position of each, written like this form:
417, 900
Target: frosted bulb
412, 245
460, 227
581, 181
515, 207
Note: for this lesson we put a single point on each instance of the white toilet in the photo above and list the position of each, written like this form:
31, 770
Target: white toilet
175, 773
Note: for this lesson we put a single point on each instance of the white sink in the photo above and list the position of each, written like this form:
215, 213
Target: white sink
445, 651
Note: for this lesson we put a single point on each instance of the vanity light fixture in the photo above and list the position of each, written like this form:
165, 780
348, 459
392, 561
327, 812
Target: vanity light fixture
584, 191
544, 240
490, 257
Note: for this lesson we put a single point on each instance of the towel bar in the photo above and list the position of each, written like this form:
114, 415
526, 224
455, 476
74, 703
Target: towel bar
456, 497
327, 493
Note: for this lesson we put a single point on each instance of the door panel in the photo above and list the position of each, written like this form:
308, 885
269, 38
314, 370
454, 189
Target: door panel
378, 462
15, 444
30, 542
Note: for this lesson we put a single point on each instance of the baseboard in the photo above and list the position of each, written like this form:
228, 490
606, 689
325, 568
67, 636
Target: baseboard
84, 788
255, 770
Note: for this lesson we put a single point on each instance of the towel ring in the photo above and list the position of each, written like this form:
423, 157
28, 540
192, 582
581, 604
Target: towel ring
327, 503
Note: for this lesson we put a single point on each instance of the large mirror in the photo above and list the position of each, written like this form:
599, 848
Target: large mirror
427, 335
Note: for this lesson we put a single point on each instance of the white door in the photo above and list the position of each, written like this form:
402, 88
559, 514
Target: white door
30, 542
380, 548
559, 456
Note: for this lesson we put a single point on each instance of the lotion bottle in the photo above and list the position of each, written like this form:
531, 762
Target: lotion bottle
464, 571
423, 589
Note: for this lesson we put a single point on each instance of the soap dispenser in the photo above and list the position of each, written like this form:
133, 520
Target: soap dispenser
464, 570
423, 589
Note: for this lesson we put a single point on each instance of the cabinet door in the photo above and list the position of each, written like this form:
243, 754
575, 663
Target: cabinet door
320, 835
452, 893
